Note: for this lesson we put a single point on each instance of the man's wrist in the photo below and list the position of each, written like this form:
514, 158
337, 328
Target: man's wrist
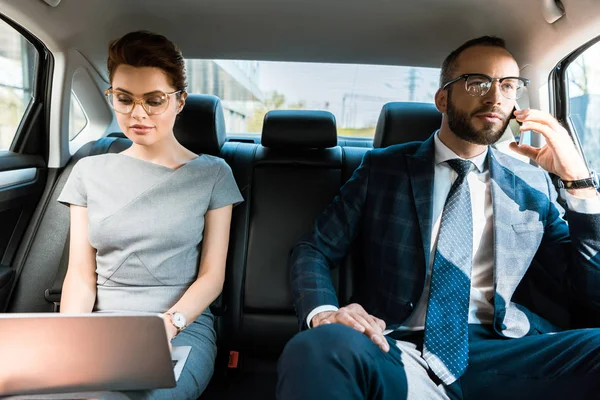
318, 310
576, 174
318, 317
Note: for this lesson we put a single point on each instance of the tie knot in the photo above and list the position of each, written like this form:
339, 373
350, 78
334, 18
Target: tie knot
462, 167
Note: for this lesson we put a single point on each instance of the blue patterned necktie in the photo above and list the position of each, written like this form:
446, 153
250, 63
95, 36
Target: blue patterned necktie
446, 343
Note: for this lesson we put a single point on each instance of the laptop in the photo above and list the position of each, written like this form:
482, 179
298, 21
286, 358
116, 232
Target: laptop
58, 353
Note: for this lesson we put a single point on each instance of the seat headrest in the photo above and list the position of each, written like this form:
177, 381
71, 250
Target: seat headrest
200, 126
299, 129
403, 122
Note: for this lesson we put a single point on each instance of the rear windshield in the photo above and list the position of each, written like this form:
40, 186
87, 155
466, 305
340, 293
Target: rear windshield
354, 93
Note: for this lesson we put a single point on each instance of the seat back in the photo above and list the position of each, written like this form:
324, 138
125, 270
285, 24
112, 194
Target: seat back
404, 122
294, 175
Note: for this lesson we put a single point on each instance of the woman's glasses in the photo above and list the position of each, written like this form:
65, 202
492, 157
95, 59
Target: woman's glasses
124, 103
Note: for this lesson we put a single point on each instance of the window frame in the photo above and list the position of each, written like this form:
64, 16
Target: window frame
559, 93
40, 89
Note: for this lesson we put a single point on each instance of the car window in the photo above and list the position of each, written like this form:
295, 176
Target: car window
17, 71
583, 76
354, 93
77, 117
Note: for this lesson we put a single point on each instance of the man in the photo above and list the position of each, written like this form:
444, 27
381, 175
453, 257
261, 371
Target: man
449, 228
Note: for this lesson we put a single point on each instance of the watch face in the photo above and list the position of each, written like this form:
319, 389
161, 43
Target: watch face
178, 320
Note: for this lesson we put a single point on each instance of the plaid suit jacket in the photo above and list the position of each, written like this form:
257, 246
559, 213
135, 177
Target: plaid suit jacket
389, 201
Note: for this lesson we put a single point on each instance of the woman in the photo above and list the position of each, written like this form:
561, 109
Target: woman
140, 219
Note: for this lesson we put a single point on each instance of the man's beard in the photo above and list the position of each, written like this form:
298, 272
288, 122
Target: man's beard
460, 123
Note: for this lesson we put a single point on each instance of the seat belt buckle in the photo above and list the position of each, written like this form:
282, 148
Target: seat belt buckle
234, 358
54, 298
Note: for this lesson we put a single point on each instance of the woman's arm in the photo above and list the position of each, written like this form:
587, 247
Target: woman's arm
211, 275
79, 287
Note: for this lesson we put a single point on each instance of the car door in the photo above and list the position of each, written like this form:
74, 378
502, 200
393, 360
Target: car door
25, 65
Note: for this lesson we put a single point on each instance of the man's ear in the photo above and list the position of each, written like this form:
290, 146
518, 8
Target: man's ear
441, 100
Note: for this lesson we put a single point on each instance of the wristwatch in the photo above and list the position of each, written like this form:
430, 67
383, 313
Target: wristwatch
178, 320
591, 182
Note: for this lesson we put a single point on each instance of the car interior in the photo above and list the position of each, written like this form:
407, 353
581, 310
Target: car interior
53, 113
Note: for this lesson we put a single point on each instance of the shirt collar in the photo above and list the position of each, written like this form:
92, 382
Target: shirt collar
443, 154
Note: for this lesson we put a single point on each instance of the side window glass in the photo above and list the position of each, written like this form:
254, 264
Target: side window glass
18, 61
583, 76
77, 118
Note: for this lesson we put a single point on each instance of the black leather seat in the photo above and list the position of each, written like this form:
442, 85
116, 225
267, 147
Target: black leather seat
287, 182
200, 126
403, 122
294, 175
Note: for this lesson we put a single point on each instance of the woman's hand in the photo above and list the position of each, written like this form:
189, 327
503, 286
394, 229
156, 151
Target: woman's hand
170, 328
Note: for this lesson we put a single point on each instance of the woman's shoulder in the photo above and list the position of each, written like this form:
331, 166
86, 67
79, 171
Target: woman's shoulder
208, 161
92, 163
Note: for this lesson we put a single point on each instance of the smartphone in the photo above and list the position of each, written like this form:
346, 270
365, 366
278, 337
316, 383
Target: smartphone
520, 137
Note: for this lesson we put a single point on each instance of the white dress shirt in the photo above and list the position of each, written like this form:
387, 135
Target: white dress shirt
481, 310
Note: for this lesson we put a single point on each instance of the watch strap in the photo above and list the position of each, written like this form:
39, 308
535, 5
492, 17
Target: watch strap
591, 182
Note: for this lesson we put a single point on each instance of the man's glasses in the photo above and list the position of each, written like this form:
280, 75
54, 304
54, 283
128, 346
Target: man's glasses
477, 85
124, 103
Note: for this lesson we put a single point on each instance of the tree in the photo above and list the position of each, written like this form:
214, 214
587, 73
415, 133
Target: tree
579, 74
301, 105
274, 101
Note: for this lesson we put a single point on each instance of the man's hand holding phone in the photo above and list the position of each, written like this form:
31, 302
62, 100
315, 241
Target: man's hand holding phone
355, 317
559, 155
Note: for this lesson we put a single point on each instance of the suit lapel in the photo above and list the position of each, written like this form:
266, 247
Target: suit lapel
421, 169
502, 185
512, 251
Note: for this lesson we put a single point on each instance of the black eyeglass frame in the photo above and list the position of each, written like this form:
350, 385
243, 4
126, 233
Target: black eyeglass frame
467, 76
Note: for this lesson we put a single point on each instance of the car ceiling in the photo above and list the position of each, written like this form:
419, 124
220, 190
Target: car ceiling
397, 32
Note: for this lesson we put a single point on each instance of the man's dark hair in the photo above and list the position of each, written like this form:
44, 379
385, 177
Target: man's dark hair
450, 61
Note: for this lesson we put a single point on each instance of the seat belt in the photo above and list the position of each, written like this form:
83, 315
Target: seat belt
53, 294
102, 145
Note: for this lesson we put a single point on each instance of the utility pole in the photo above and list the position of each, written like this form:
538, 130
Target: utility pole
412, 83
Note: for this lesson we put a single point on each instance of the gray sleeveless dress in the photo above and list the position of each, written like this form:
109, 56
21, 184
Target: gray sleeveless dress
146, 222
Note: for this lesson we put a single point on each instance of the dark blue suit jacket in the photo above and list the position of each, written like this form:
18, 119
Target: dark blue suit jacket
389, 201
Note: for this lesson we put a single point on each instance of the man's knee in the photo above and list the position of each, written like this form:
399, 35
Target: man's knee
324, 343
586, 345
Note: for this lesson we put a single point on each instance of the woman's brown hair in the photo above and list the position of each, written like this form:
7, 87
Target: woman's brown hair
147, 49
